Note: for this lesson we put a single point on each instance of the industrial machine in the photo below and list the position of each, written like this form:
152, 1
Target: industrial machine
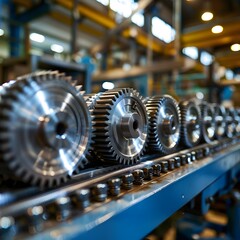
87, 166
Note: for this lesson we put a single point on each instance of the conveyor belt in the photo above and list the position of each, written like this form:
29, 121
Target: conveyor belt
147, 204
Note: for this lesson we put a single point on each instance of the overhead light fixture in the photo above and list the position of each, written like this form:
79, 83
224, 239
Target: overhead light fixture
207, 16
108, 85
57, 48
1, 32
36, 37
235, 47
217, 29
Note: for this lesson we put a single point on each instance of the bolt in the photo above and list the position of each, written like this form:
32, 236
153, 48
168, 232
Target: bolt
60, 208
206, 151
114, 186
80, 198
193, 155
127, 181
156, 170
148, 173
199, 154
99, 192
138, 177
171, 163
183, 159
164, 166
7, 227
177, 162
35, 219
189, 158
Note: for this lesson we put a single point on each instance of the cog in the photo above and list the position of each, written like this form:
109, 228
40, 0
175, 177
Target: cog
164, 124
191, 123
44, 129
208, 123
120, 126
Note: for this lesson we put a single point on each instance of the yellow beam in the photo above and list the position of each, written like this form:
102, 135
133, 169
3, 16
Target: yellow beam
90, 13
205, 38
229, 60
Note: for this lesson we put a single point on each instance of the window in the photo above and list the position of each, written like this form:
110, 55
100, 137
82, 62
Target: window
191, 52
103, 2
162, 30
125, 9
206, 58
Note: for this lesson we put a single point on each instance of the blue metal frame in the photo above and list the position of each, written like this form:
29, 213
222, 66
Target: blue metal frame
137, 213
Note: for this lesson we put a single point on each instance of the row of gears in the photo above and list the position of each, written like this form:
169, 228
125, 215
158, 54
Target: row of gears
50, 129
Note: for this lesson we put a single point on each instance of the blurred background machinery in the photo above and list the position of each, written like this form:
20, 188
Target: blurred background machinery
117, 81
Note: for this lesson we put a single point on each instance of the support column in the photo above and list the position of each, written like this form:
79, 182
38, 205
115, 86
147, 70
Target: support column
74, 28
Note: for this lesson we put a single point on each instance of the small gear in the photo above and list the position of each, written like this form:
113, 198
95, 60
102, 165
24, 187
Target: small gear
219, 116
208, 122
120, 126
191, 123
164, 124
230, 122
44, 128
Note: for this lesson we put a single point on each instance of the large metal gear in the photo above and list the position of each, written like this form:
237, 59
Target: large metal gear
208, 122
191, 123
219, 118
44, 129
230, 122
164, 124
120, 126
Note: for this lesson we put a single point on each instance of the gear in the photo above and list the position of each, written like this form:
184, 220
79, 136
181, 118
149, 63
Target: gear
191, 123
164, 124
120, 126
219, 116
208, 122
230, 122
44, 129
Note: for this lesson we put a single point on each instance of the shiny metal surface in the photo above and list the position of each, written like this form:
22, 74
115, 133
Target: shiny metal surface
45, 129
120, 126
219, 116
208, 122
191, 123
164, 124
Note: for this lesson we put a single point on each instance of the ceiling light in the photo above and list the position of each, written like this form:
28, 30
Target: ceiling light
108, 85
207, 16
36, 37
217, 29
57, 48
235, 47
1, 32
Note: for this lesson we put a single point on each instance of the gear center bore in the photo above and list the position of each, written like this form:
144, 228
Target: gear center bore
130, 125
61, 128
53, 129
169, 126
